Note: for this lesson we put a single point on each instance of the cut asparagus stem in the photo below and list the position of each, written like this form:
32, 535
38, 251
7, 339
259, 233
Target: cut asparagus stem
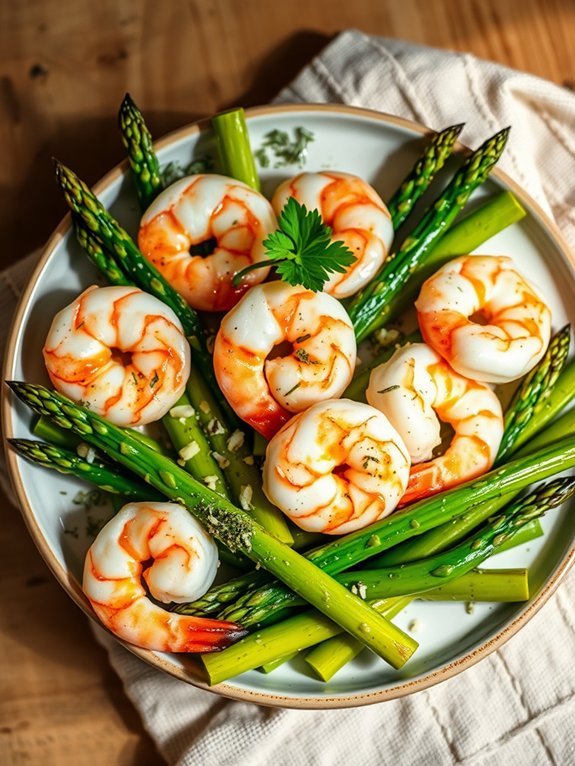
268, 644
95, 470
234, 150
462, 238
368, 308
189, 440
242, 474
233, 527
268, 598
422, 174
533, 392
490, 585
143, 161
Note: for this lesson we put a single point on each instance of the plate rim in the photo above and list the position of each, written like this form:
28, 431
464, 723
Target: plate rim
73, 589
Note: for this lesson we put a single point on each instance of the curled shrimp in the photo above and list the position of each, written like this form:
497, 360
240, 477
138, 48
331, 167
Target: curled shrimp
281, 349
357, 216
228, 217
184, 563
514, 327
337, 467
416, 389
119, 351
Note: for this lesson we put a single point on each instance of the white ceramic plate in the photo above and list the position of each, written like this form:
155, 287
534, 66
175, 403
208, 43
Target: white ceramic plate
381, 149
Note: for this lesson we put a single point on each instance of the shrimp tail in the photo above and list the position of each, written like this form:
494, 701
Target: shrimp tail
207, 635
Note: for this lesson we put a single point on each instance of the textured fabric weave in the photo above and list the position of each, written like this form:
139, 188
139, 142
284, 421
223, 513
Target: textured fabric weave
516, 707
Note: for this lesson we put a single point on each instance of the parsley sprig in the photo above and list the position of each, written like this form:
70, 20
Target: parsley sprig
301, 249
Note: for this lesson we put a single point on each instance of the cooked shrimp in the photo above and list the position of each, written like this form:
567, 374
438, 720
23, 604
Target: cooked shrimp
207, 210
120, 352
357, 216
416, 389
184, 563
281, 349
514, 324
336, 467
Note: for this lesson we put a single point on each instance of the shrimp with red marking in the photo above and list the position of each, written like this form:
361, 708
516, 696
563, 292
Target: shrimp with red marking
224, 221
337, 467
184, 560
416, 389
357, 216
119, 351
513, 324
280, 350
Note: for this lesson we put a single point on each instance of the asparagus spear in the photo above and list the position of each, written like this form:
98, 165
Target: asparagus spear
143, 161
462, 238
233, 527
559, 429
96, 471
235, 153
367, 310
426, 514
422, 174
533, 391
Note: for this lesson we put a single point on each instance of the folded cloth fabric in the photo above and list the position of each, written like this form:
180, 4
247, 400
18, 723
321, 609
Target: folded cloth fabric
517, 706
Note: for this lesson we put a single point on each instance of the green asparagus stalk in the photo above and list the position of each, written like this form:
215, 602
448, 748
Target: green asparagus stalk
96, 471
559, 429
232, 526
98, 255
490, 585
242, 474
465, 236
422, 174
188, 438
268, 667
270, 643
367, 310
234, 150
138, 143
561, 395
532, 393
47, 431
480, 585
267, 599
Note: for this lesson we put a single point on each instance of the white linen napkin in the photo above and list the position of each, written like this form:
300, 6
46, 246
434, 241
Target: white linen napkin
517, 706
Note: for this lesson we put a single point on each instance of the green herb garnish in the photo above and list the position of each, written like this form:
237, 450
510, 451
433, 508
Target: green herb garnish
173, 171
286, 151
301, 249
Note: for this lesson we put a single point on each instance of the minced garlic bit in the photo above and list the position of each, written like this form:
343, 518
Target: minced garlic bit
359, 589
245, 497
222, 461
236, 440
84, 450
414, 626
204, 406
386, 338
358, 361
249, 460
214, 427
210, 341
189, 451
469, 607
211, 482
182, 411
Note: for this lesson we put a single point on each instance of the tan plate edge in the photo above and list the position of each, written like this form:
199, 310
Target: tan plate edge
72, 586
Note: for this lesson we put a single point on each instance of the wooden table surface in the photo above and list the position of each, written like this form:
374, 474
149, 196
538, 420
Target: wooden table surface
64, 67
